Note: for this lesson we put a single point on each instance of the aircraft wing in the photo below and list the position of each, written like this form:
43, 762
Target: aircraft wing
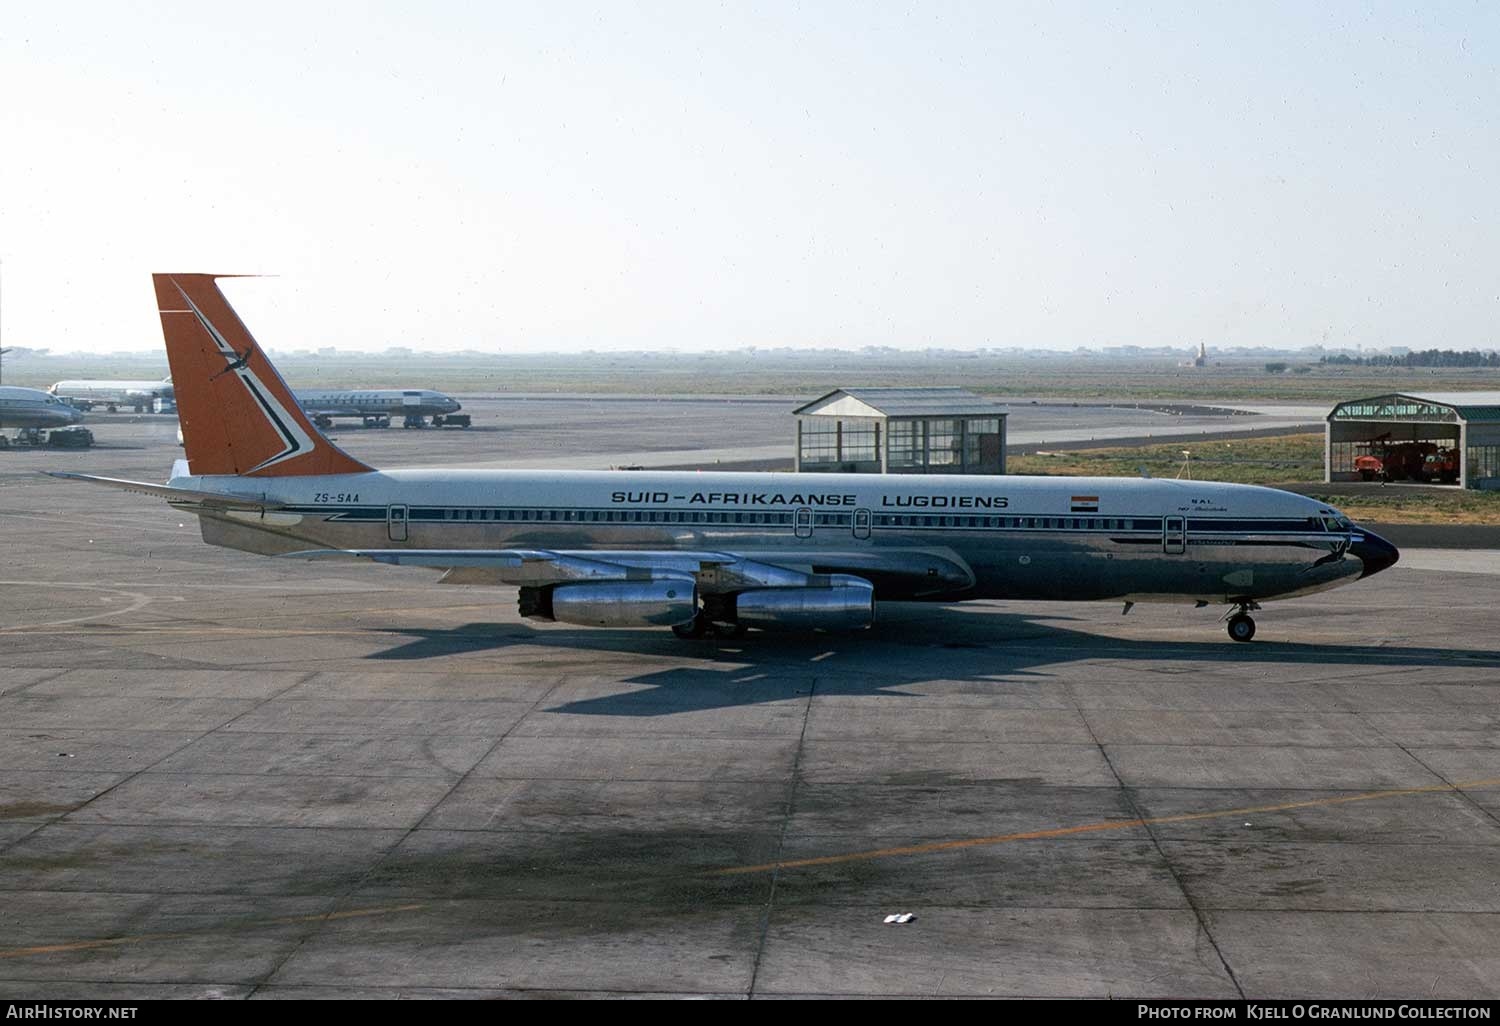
325, 410
535, 566
913, 573
176, 496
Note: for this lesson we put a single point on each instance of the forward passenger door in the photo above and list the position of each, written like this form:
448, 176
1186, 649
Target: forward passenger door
395, 523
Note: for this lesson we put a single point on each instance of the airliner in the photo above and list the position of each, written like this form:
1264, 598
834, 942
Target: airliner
377, 405
718, 552
112, 394
33, 408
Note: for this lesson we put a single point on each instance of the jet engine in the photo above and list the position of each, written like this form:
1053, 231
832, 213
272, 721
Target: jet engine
659, 603
846, 604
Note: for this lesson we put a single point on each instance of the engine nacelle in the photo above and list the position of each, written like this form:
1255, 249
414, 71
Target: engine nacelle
661, 603
847, 605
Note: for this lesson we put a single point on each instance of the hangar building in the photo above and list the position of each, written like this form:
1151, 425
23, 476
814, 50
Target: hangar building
1437, 436
901, 431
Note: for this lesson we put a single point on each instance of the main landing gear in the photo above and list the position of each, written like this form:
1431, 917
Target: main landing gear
1241, 626
694, 628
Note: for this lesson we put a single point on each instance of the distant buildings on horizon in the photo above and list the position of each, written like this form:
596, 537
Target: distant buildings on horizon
1181, 355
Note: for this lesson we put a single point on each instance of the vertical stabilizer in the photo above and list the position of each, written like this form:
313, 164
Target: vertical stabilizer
237, 415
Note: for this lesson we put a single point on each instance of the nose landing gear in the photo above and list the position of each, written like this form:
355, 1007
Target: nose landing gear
1241, 625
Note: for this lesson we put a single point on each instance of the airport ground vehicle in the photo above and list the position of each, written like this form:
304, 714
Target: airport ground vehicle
1392, 461
719, 551
1408, 461
74, 437
458, 420
1441, 466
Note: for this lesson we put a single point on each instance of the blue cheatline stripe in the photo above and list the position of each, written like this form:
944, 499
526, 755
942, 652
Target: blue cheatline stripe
1144, 529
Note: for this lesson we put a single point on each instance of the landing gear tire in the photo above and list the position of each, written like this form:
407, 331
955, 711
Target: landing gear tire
1241, 627
694, 628
730, 630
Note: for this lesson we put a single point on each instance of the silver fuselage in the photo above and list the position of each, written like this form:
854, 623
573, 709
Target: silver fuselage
33, 408
104, 392
388, 402
913, 537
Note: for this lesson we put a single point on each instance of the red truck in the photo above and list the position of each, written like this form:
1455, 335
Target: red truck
1408, 461
1440, 466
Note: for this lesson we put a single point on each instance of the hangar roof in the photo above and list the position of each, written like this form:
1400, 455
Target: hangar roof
902, 402
1469, 406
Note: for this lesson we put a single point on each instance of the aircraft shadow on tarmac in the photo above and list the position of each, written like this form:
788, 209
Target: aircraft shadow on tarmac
986, 650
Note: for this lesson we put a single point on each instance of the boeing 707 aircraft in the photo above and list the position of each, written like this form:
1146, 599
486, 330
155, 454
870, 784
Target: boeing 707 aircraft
721, 552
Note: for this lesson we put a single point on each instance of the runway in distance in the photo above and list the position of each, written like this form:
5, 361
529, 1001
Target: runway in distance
139, 395
721, 552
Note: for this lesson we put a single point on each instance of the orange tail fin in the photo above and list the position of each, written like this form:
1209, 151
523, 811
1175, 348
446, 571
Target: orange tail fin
237, 415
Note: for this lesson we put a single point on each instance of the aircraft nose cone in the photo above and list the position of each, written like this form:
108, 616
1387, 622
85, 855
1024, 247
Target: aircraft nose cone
1375, 553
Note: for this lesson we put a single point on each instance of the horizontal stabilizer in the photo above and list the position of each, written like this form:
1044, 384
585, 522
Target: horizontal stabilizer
176, 496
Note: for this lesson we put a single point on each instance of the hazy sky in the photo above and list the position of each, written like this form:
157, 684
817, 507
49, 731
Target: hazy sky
557, 176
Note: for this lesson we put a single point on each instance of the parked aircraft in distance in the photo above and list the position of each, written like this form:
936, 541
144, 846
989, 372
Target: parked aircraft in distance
719, 551
33, 408
112, 395
41, 419
377, 406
